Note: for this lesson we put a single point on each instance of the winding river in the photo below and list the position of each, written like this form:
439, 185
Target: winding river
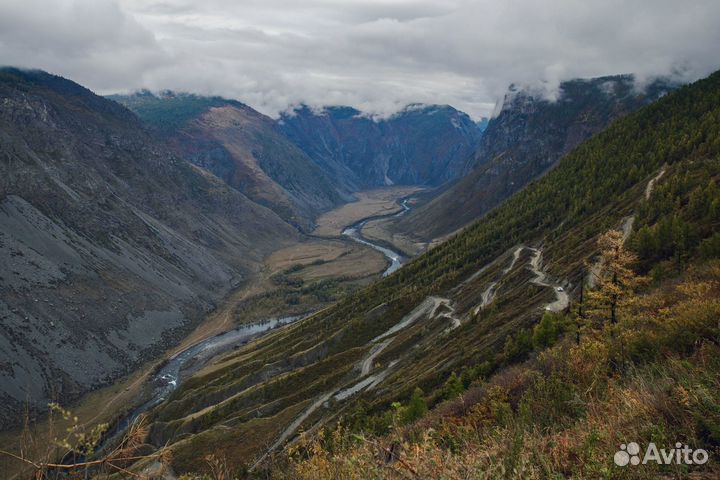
181, 365
354, 232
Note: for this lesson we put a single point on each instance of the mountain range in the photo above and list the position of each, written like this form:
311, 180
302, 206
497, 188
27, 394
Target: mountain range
240, 146
490, 330
125, 220
420, 145
121, 230
526, 139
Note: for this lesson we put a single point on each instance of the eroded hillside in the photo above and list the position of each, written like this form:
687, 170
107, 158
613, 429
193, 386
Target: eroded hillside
112, 248
241, 146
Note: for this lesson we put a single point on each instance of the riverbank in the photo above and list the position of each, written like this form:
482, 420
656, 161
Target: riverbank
377, 202
313, 260
180, 365
354, 232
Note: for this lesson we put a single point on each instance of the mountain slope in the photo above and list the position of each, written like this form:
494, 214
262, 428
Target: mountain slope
421, 145
240, 145
468, 302
111, 249
527, 138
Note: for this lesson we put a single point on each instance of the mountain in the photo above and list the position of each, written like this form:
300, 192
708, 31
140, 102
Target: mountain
525, 140
111, 248
483, 313
240, 146
421, 145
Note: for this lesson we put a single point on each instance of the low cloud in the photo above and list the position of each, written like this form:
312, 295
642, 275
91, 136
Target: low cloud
376, 55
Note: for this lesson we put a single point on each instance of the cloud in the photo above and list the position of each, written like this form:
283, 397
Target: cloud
376, 55
94, 41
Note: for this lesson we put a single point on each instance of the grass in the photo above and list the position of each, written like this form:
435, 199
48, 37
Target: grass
323, 259
381, 201
565, 411
381, 231
235, 444
98, 407
308, 277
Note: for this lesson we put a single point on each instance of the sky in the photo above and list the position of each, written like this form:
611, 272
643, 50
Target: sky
375, 55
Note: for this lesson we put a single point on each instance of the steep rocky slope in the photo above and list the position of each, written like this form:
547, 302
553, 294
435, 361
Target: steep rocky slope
471, 302
526, 138
421, 145
110, 247
240, 146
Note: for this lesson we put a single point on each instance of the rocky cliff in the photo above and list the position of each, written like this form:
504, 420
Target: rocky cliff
528, 136
111, 248
421, 145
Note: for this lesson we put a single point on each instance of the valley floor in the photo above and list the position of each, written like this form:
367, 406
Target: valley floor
299, 279
379, 201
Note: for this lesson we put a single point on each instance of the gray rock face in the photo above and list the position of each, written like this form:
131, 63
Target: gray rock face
527, 137
421, 145
111, 249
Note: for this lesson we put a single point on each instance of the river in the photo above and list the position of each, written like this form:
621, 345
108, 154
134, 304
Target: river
354, 232
168, 377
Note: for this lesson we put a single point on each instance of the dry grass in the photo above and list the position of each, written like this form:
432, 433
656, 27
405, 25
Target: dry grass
72, 452
324, 259
654, 377
98, 407
381, 230
235, 445
381, 201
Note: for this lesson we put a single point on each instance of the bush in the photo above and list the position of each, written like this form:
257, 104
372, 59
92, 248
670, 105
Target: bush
417, 407
517, 347
453, 387
548, 331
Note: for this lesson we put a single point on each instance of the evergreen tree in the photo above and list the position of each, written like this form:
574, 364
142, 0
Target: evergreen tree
547, 331
417, 406
453, 387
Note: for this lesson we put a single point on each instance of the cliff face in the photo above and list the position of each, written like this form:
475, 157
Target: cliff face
528, 136
421, 145
110, 247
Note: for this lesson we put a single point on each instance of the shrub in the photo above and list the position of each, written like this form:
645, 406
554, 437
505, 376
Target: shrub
548, 330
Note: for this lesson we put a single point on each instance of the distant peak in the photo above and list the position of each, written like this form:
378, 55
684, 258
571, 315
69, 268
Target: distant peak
345, 112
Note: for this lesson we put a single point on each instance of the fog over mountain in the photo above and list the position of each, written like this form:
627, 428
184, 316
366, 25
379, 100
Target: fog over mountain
373, 55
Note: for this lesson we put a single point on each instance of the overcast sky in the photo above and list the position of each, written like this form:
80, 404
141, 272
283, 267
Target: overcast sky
377, 55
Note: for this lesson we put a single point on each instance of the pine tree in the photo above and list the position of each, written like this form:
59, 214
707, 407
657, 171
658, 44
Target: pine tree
453, 387
417, 406
547, 331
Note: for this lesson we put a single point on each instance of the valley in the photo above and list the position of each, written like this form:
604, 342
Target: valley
317, 260
377, 202
473, 310
355, 232
248, 312
301, 313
